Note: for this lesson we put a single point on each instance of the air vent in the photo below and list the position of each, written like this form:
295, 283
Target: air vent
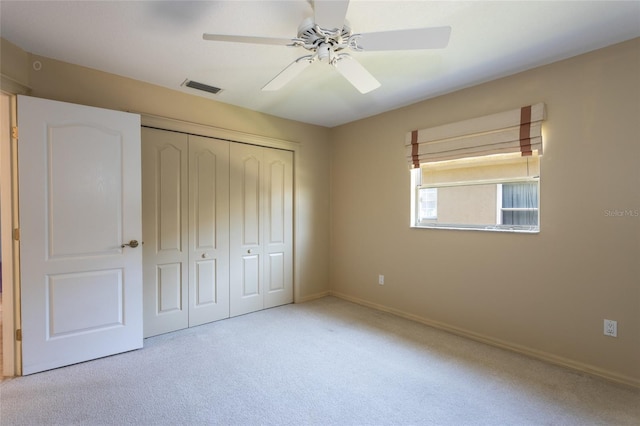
201, 86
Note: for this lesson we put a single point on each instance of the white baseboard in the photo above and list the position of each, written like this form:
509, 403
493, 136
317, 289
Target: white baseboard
540, 355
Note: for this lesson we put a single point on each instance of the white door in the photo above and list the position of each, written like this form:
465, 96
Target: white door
79, 190
165, 212
261, 264
246, 201
208, 230
278, 238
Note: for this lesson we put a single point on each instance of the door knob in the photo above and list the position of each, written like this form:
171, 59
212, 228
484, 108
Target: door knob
132, 244
249, 251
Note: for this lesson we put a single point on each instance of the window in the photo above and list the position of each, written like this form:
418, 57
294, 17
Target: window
498, 193
428, 199
519, 204
482, 173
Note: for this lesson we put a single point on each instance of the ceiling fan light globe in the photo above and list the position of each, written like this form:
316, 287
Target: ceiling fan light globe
324, 52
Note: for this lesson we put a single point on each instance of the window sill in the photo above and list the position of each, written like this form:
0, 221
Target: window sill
487, 228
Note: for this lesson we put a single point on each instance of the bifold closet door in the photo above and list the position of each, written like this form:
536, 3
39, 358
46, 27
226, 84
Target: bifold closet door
185, 192
261, 228
217, 229
165, 204
208, 230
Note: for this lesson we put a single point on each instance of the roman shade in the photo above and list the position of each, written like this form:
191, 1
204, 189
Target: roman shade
517, 130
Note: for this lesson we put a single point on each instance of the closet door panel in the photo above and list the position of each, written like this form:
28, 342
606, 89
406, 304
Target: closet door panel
164, 228
206, 283
275, 272
278, 247
250, 276
204, 201
169, 282
246, 204
209, 230
251, 202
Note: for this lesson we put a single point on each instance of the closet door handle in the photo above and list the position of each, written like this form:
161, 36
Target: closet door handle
249, 251
132, 244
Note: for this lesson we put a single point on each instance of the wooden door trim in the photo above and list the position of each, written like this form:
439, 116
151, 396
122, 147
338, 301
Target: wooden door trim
11, 348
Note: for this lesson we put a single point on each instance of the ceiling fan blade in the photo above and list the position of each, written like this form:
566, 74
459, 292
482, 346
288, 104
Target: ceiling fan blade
357, 75
288, 74
412, 39
330, 14
247, 39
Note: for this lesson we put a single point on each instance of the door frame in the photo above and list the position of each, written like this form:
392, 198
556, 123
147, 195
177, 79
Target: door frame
164, 123
9, 221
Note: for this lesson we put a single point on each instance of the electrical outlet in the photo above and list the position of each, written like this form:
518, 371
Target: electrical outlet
611, 328
381, 279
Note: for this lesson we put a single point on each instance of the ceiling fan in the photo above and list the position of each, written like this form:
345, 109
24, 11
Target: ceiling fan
327, 34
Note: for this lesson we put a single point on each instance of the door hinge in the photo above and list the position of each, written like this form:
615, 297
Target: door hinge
16, 234
19, 335
14, 132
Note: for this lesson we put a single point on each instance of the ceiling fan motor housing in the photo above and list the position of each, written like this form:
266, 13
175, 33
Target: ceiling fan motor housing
314, 37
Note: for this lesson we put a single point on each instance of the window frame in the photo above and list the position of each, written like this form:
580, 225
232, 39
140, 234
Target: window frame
500, 209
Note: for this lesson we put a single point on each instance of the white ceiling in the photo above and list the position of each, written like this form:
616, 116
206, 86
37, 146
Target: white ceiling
160, 42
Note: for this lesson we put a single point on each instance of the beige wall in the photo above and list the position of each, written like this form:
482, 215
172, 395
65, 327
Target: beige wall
14, 63
65, 82
546, 294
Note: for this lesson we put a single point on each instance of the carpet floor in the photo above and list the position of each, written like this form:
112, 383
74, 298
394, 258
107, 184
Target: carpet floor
325, 362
